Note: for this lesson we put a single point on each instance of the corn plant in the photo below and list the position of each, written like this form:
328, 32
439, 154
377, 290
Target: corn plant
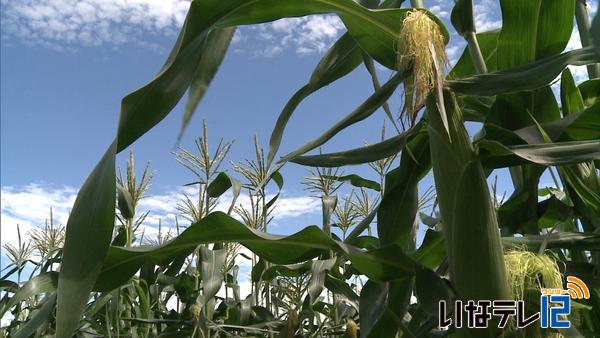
363, 271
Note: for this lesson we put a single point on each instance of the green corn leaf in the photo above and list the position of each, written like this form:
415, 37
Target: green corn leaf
370, 66
595, 32
366, 109
122, 263
432, 251
392, 263
431, 289
125, 202
363, 225
342, 58
291, 270
526, 77
399, 206
339, 287
532, 30
88, 236
43, 283
212, 54
356, 181
495, 155
364, 242
259, 269
570, 97
8, 285
366, 154
220, 185
590, 91
318, 274
278, 179
580, 126
563, 240
553, 211
212, 277
373, 299
462, 17
584, 182
38, 318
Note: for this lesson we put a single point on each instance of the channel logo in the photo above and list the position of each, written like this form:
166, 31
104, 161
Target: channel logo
555, 306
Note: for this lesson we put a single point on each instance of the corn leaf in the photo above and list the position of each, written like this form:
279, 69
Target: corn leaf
399, 205
122, 263
590, 91
366, 154
214, 50
563, 240
40, 284
364, 110
570, 97
38, 318
526, 77
495, 155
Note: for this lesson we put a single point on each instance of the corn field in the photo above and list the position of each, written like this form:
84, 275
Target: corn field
362, 272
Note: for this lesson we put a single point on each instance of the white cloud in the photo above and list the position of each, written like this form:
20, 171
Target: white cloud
487, 15
62, 24
304, 35
29, 206
439, 11
69, 24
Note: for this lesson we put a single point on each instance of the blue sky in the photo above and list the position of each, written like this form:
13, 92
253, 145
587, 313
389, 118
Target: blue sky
66, 64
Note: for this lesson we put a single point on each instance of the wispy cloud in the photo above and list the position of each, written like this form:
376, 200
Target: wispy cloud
61, 24
487, 15
71, 24
304, 36
29, 206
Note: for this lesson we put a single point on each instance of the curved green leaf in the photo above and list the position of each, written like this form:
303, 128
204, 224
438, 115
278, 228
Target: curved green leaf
212, 54
122, 263
570, 97
38, 318
88, 236
590, 91
399, 205
526, 77
342, 58
462, 17
366, 154
42, 283
563, 240
356, 181
495, 155
373, 299
366, 109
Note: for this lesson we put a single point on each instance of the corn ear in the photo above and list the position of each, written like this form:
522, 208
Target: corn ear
473, 242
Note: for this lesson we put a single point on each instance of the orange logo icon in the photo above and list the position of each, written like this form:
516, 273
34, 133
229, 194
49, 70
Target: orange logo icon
577, 289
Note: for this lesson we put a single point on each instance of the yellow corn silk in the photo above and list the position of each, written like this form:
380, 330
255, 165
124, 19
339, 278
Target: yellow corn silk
419, 33
527, 272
